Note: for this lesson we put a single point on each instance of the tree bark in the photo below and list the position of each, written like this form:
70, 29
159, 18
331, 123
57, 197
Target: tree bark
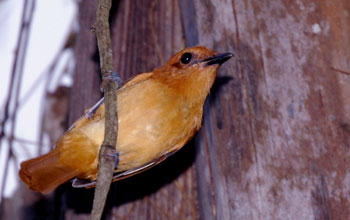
275, 140
275, 137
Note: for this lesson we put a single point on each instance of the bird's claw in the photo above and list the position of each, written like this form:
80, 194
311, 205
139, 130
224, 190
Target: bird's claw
93, 109
116, 157
114, 76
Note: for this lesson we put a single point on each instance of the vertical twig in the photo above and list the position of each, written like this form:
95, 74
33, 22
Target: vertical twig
106, 162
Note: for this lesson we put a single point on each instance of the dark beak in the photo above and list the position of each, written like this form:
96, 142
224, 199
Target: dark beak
217, 59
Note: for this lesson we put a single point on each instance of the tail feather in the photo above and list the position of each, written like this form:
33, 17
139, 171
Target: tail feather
46, 172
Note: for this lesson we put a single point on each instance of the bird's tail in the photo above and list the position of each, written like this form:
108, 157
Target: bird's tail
46, 172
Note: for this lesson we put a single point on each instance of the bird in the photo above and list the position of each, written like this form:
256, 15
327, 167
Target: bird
158, 112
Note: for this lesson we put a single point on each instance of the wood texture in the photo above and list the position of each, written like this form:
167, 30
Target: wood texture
145, 34
275, 144
85, 91
275, 138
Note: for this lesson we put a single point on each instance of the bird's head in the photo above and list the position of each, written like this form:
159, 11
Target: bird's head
192, 71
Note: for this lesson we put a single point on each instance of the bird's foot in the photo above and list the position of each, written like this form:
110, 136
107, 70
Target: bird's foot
114, 76
116, 157
93, 109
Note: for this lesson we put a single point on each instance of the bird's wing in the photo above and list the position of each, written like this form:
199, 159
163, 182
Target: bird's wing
131, 82
80, 183
91, 112
136, 79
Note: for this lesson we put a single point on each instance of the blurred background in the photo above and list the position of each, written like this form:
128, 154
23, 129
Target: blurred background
37, 65
275, 138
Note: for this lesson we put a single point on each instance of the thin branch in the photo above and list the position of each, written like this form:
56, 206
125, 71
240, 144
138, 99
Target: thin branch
106, 160
18, 64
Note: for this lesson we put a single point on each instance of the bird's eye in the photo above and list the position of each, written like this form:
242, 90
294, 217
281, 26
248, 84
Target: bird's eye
186, 58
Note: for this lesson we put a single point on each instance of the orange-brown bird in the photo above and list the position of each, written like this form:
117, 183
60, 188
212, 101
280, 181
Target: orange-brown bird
158, 112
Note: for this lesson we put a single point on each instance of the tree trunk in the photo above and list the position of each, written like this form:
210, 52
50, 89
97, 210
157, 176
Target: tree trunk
275, 137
